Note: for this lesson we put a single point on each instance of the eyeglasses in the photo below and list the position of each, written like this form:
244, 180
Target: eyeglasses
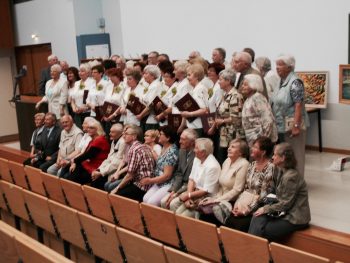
128, 133
91, 127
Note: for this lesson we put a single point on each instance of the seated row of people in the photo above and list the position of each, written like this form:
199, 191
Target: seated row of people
189, 181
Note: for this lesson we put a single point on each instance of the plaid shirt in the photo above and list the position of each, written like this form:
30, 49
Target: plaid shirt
141, 163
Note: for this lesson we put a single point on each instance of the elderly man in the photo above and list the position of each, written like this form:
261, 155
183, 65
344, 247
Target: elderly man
271, 78
64, 65
242, 63
49, 141
45, 74
203, 180
153, 58
70, 139
115, 156
140, 165
184, 167
218, 56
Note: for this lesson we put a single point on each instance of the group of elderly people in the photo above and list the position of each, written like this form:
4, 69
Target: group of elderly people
220, 172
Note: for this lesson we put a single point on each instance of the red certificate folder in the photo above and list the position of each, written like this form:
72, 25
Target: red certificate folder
208, 120
158, 105
174, 121
134, 105
187, 103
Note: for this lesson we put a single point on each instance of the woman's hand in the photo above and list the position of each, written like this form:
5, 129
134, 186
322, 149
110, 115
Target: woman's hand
186, 114
72, 167
146, 181
259, 212
207, 201
37, 106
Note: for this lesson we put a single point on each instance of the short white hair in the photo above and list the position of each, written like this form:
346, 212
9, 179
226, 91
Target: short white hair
52, 56
118, 127
254, 82
205, 144
85, 67
182, 65
289, 60
244, 56
130, 64
56, 67
153, 70
263, 63
190, 134
228, 74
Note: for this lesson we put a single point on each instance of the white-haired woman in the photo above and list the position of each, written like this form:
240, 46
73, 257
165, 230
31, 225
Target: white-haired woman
288, 105
203, 180
95, 153
257, 117
151, 74
56, 93
81, 88
229, 114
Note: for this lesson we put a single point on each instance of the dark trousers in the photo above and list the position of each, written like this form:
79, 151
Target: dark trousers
210, 218
132, 191
240, 223
41, 164
81, 176
271, 228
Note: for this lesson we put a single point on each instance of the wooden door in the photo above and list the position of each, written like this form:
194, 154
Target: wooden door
34, 57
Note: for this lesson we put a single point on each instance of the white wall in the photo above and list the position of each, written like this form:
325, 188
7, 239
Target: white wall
111, 12
7, 111
53, 21
86, 13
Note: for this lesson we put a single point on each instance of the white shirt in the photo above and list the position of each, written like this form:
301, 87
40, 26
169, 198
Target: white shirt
272, 81
200, 95
77, 93
130, 118
114, 94
183, 87
215, 99
206, 175
56, 94
97, 94
153, 90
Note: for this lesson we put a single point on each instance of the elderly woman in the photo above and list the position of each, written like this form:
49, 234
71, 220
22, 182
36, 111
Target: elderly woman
257, 117
133, 87
195, 75
288, 106
56, 93
202, 182
215, 93
114, 95
231, 180
151, 74
97, 93
95, 153
229, 114
165, 166
290, 211
81, 89
259, 183
36, 137
271, 78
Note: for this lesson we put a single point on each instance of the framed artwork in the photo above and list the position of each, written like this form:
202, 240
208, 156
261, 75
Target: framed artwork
316, 88
344, 84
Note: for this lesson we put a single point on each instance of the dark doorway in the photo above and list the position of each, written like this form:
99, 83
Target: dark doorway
34, 57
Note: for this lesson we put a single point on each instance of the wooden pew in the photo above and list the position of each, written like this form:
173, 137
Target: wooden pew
161, 224
99, 203
75, 195
321, 241
177, 256
18, 174
53, 187
140, 249
5, 170
284, 254
35, 181
25, 248
102, 238
200, 238
243, 247
13, 154
128, 213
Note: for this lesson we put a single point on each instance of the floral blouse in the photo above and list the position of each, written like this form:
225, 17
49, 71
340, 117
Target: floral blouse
257, 119
260, 182
169, 157
231, 107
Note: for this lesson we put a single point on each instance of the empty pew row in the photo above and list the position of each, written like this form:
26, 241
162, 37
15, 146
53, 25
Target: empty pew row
159, 224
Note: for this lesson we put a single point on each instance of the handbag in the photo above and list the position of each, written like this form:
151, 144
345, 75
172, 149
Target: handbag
206, 209
289, 124
245, 202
